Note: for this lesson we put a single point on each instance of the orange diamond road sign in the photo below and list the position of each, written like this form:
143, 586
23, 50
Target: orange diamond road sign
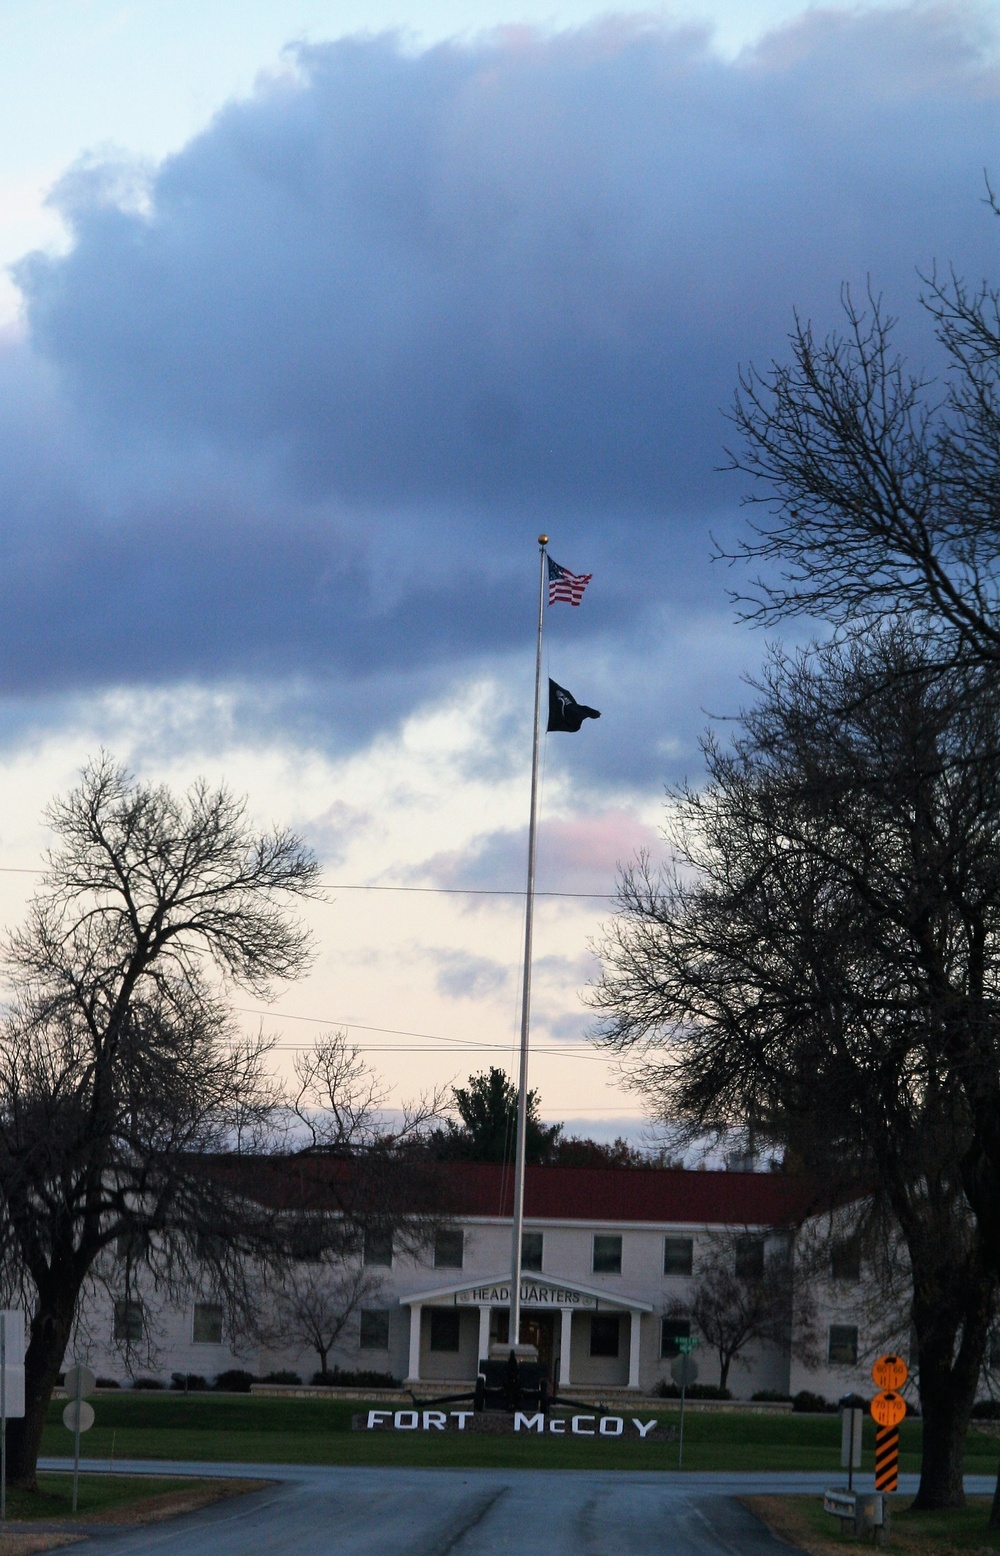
888, 1409
889, 1373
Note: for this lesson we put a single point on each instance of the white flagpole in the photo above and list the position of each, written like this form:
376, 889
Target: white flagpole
529, 908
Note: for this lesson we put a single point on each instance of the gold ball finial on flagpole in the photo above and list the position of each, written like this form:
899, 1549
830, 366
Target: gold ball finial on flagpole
543, 540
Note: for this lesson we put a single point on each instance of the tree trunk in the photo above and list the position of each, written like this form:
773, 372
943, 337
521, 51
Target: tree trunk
725, 1363
949, 1376
994, 1522
945, 1425
49, 1335
322, 1359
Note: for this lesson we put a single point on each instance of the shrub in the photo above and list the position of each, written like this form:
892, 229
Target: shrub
146, 1383
770, 1397
235, 1381
355, 1380
108, 1383
806, 1403
187, 1382
986, 1410
282, 1377
694, 1391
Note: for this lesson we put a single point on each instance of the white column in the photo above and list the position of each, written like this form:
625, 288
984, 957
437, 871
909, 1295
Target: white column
633, 1348
565, 1337
413, 1375
484, 1333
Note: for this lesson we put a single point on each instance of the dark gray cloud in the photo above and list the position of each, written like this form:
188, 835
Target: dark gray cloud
294, 402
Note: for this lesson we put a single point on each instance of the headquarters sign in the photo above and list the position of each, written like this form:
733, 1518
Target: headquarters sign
533, 1294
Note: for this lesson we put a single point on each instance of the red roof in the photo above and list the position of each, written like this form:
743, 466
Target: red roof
611, 1194
623, 1194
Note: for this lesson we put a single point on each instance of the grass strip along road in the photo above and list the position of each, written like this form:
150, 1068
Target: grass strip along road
802, 1522
105, 1496
241, 1428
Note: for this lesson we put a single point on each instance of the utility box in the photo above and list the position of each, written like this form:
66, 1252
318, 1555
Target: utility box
872, 1517
866, 1514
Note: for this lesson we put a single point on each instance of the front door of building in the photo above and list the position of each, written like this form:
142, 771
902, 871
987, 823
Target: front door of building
537, 1329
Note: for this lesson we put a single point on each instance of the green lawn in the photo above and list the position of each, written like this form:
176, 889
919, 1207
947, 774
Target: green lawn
97, 1494
241, 1427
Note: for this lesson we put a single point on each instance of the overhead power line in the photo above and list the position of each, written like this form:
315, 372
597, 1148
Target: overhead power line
431, 1041
438, 891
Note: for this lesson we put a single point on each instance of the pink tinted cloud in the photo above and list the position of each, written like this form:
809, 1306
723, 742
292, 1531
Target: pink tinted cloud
578, 855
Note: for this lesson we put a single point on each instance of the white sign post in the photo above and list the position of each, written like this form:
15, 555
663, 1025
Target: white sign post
851, 1421
78, 1416
11, 1386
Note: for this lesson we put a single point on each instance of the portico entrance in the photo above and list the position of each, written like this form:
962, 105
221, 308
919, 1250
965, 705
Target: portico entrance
545, 1304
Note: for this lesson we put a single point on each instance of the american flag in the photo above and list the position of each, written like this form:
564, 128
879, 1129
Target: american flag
564, 585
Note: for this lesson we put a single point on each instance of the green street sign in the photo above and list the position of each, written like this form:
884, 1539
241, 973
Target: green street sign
687, 1343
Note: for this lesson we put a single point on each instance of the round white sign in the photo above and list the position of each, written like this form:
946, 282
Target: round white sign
86, 1416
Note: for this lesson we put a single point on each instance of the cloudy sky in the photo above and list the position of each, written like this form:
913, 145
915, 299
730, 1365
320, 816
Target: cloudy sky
314, 315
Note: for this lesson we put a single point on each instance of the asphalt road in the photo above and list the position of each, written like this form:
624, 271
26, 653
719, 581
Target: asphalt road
333, 1511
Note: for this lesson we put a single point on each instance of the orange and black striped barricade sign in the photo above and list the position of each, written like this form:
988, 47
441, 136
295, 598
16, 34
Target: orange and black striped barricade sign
886, 1458
888, 1410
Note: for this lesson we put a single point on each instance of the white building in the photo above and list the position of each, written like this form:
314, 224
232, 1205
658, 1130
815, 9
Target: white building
609, 1256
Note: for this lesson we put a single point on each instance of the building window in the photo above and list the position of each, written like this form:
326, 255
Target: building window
605, 1333
207, 1328
445, 1328
845, 1260
308, 1240
378, 1246
678, 1255
672, 1331
448, 1248
531, 1250
210, 1247
375, 1329
749, 1258
607, 1255
843, 1345
128, 1320
130, 1246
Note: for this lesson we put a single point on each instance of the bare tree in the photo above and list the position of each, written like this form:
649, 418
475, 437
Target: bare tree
362, 1169
340, 1103
744, 1294
122, 1073
316, 1301
882, 485
825, 962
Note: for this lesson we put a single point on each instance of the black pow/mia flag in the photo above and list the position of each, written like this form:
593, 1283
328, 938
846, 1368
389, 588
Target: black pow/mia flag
565, 713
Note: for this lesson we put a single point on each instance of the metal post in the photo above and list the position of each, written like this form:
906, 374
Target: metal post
680, 1435
76, 1433
522, 1086
850, 1456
